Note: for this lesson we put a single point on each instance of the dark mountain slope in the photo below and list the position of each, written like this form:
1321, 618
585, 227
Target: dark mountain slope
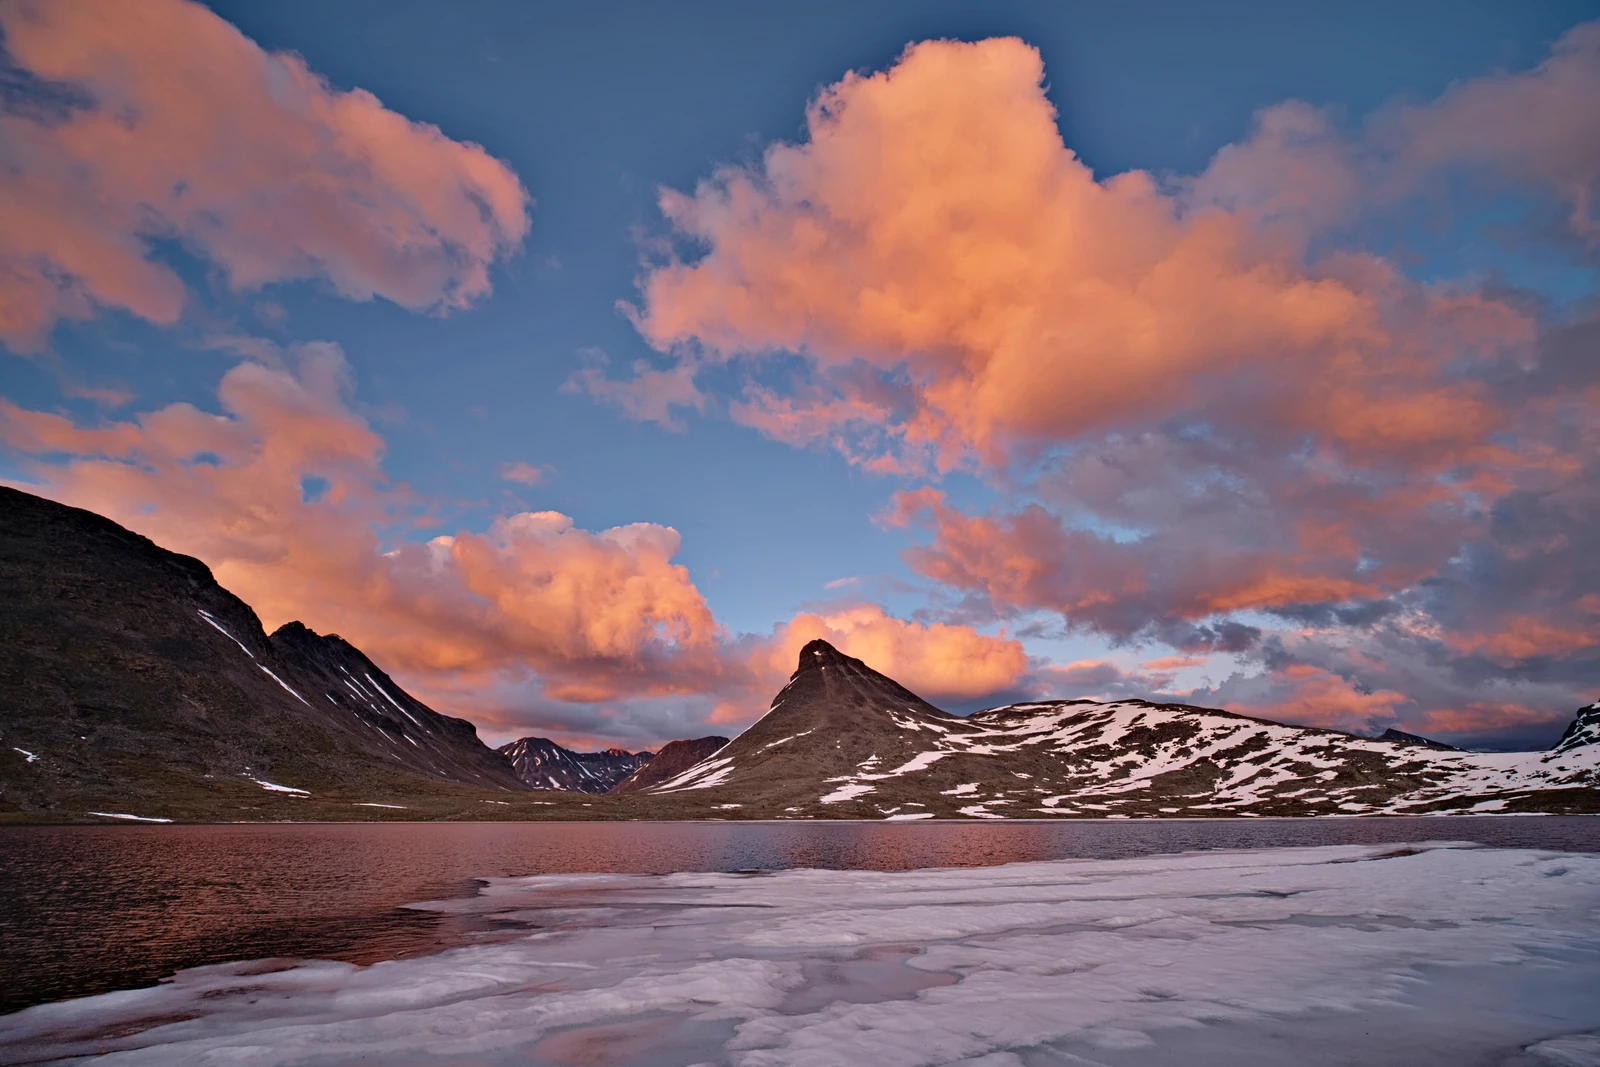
674, 758
441, 746
542, 764
132, 682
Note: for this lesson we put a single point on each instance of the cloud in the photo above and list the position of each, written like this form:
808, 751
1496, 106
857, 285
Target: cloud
1173, 663
1538, 126
1312, 696
935, 660
595, 614
158, 121
1208, 413
522, 473
531, 621
650, 395
935, 230
1140, 586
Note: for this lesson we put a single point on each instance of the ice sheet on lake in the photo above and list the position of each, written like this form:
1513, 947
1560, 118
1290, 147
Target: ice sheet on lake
1449, 954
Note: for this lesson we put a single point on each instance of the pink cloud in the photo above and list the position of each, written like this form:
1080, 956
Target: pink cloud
522, 473
177, 126
1312, 696
1173, 663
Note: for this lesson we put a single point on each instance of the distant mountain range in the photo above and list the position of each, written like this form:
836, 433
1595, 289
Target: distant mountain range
133, 686
542, 764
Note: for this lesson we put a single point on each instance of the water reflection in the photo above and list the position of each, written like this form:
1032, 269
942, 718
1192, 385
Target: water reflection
95, 908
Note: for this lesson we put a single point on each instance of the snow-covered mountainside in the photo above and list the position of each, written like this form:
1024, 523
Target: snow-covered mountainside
133, 683
674, 758
543, 764
1583, 730
842, 740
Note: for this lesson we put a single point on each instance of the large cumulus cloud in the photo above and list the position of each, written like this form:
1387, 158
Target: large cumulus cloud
1210, 412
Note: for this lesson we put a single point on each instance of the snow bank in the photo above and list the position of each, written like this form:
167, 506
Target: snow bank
1422, 955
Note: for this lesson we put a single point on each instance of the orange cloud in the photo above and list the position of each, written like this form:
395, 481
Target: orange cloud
1313, 696
596, 613
168, 123
935, 660
935, 226
1523, 637
1028, 559
1173, 663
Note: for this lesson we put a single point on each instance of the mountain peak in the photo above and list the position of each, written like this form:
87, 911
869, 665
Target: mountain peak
1402, 737
819, 653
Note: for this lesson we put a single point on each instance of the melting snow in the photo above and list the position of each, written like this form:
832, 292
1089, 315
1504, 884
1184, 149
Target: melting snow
206, 615
846, 792
274, 787
702, 775
791, 737
921, 762
1314, 957
285, 685
392, 700
130, 818
1117, 747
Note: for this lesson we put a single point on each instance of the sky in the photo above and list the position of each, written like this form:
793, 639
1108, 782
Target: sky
579, 363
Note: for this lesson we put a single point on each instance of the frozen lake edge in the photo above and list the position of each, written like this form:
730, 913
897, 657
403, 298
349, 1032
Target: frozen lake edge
1416, 954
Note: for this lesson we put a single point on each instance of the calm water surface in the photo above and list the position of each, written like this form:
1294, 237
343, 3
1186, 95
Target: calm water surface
88, 909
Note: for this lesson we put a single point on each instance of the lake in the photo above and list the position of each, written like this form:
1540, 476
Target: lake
91, 909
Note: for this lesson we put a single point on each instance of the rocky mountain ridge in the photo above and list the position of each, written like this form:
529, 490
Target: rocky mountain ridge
843, 741
674, 758
542, 764
129, 672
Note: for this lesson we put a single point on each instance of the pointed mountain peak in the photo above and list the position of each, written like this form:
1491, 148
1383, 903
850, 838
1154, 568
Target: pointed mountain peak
1401, 737
819, 653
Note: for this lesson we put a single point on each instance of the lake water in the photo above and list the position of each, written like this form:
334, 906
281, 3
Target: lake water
95, 908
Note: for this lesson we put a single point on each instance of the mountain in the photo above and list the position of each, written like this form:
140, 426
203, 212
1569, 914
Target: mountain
542, 764
843, 741
1584, 730
130, 677
132, 685
674, 758
1401, 736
